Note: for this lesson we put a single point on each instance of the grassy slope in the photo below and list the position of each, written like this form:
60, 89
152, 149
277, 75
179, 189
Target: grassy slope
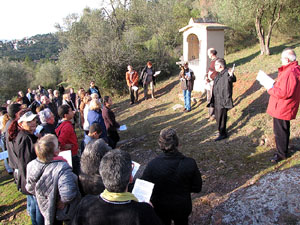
225, 165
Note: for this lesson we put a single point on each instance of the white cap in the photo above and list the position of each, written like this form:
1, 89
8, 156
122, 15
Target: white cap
28, 116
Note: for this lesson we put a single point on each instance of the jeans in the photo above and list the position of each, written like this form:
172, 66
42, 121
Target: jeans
34, 211
187, 99
7, 167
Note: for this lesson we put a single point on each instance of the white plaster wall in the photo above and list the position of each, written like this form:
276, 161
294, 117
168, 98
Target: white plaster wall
207, 39
215, 39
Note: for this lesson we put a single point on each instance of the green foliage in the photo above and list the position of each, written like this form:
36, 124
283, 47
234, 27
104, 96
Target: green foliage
48, 75
241, 15
103, 42
34, 48
14, 76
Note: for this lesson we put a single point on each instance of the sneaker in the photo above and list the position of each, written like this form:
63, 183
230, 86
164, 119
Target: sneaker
187, 110
184, 110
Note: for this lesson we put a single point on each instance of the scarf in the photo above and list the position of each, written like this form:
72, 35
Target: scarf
118, 197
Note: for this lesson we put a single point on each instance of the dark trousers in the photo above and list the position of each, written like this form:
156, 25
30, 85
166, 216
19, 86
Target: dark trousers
76, 164
282, 136
134, 95
113, 138
180, 220
221, 118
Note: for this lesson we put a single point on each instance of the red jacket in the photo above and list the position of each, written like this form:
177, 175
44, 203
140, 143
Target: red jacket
285, 95
66, 135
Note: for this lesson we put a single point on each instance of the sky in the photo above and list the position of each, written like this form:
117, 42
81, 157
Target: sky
26, 18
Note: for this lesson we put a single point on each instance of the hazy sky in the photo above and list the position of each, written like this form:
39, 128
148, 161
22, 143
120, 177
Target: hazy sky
26, 18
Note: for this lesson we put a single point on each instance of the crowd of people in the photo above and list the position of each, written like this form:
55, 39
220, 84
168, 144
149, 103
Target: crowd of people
94, 187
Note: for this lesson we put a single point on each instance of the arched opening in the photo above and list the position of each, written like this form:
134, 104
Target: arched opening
193, 47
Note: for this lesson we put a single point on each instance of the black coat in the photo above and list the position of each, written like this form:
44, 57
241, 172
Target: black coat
23, 152
175, 177
144, 76
93, 210
222, 90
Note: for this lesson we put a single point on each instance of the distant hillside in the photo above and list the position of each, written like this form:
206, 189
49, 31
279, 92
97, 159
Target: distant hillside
41, 46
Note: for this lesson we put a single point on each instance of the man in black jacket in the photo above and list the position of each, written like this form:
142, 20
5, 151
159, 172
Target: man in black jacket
175, 177
222, 96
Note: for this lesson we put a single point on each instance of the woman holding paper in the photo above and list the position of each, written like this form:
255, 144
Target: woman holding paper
174, 176
132, 79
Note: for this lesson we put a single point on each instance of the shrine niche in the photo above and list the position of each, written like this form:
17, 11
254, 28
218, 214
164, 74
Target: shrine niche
198, 37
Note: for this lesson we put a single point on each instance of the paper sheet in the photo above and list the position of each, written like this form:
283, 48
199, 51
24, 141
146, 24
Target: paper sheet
135, 88
265, 80
67, 155
38, 130
142, 190
157, 73
3, 155
123, 127
136, 167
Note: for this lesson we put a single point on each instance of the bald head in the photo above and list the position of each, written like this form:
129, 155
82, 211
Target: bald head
288, 55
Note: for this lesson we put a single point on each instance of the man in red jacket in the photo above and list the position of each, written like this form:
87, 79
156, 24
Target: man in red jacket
284, 102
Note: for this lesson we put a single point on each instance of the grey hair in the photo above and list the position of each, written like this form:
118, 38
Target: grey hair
115, 170
222, 62
168, 140
45, 115
213, 51
289, 54
92, 155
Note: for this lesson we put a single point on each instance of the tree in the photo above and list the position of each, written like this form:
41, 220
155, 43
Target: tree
263, 15
13, 77
47, 75
270, 12
101, 43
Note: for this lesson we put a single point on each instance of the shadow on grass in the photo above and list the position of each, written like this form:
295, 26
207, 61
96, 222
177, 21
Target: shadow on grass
7, 178
4, 208
244, 60
166, 89
254, 88
278, 49
8, 181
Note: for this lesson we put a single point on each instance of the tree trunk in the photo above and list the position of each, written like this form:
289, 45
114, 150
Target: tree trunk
272, 23
260, 30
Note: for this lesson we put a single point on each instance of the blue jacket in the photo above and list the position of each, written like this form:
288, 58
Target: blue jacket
96, 117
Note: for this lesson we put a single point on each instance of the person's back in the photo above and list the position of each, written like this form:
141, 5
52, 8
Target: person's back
175, 177
103, 212
115, 205
90, 181
52, 182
